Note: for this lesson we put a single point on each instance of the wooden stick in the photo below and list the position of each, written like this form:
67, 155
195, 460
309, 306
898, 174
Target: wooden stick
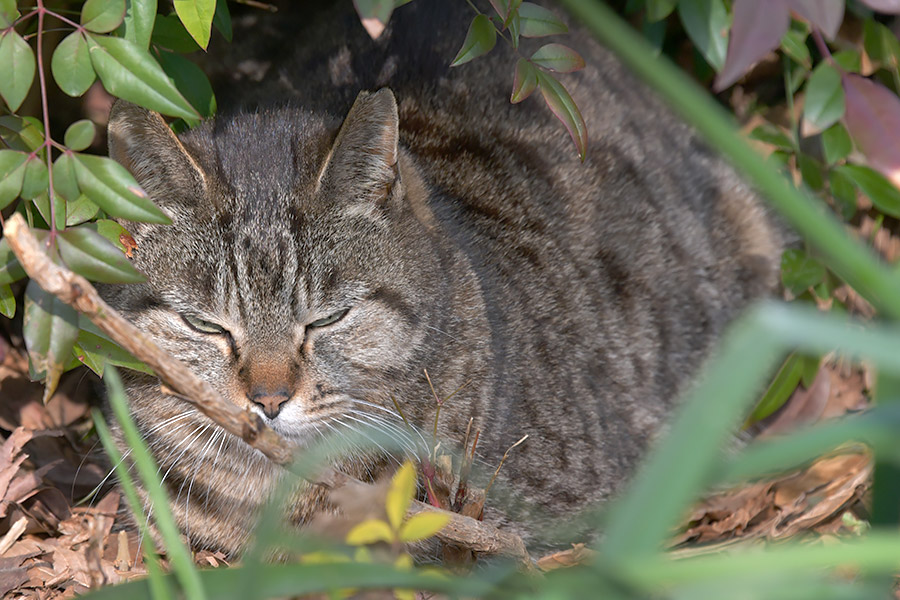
76, 291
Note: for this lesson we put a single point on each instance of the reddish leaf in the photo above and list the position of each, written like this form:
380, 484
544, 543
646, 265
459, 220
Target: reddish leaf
557, 57
525, 81
758, 28
825, 15
562, 105
884, 6
873, 121
502, 7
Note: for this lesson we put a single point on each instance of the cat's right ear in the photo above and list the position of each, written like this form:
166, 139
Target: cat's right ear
141, 141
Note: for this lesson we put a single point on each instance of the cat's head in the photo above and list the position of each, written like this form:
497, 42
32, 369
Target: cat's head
298, 275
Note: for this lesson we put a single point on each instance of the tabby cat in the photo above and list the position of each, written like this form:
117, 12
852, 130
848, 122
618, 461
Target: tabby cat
363, 212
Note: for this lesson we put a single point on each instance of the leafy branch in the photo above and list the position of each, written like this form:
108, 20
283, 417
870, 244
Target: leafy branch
513, 19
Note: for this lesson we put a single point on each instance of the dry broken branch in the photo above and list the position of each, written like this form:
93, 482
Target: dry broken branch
81, 295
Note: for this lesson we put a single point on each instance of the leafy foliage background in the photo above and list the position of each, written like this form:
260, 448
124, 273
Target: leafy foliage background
830, 134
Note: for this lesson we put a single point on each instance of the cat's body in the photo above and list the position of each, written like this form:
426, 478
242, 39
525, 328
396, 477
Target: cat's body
576, 299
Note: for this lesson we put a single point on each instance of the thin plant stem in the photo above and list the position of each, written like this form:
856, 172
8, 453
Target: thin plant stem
48, 142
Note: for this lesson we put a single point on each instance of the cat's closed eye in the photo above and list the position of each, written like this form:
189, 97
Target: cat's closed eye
203, 326
330, 319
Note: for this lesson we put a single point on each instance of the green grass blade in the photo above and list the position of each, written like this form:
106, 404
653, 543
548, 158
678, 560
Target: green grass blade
180, 558
279, 580
159, 588
679, 467
849, 259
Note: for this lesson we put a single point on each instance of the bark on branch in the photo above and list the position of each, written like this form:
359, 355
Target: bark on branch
76, 291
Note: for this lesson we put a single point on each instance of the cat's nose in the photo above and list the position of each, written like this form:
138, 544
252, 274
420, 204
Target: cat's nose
271, 403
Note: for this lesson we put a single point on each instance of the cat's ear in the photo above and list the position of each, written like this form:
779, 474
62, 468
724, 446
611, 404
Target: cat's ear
364, 158
140, 140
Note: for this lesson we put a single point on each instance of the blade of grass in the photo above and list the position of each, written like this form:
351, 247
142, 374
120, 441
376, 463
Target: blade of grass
679, 467
849, 259
295, 580
886, 488
159, 587
876, 553
182, 564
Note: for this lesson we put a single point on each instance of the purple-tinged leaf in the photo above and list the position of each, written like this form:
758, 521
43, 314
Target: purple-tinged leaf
560, 102
758, 28
873, 121
524, 82
557, 57
883, 6
825, 15
537, 21
501, 7
824, 103
480, 39
374, 15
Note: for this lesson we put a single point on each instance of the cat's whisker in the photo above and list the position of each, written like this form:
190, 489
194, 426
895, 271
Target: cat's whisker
194, 468
222, 435
396, 433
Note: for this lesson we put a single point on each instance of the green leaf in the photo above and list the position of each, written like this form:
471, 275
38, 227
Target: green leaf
770, 134
10, 269
197, 17
659, 9
71, 65
706, 23
94, 350
139, 18
423, 526
191, 81
129, 72
557, 57
880, 43
92, 256
524, 82
65, 182
22, 133
102, 16
8, 13
112, 187
883, 194
400, 494
80, 135
114, 233
374, 9
36, 180
370, 531
794, 45
7, 302
170, 33
42, 203
849, 60
537, 21
565, 109
836, 143
222, 19
50, 328
781, 388
12, 173
17, 59
824, 103
811, 171
480, 39
80, 209
799, 271
843, 191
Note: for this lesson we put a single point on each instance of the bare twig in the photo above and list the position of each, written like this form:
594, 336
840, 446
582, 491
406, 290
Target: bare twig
81, 295
503, 460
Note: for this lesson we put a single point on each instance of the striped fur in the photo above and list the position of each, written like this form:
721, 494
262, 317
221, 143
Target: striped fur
463, 235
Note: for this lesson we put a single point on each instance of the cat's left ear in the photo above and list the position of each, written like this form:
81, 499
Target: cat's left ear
363, 161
